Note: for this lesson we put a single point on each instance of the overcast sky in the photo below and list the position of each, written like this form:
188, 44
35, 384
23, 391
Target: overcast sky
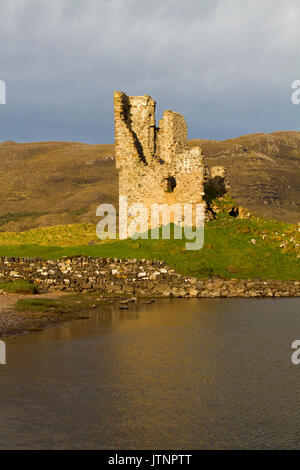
227, 65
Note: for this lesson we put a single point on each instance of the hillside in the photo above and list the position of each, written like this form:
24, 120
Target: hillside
263, 171
234, 248
53, 183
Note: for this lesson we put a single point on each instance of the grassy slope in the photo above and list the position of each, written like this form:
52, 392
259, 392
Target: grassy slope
233, 248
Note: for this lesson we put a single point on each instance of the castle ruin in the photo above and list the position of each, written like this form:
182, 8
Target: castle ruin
155, 164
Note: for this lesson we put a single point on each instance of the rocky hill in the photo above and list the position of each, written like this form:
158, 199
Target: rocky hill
54, 183
263, 171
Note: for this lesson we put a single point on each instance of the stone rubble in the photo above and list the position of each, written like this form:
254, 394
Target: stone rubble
132, 277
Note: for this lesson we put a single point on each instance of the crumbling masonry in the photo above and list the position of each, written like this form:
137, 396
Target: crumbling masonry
156, 165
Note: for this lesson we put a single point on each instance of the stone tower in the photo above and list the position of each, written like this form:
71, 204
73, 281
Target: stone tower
155, 164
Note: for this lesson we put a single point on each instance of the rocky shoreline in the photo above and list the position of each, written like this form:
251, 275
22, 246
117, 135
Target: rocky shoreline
132, 277
14, 323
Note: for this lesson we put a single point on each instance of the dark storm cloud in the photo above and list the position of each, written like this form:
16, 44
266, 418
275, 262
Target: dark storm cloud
227, 65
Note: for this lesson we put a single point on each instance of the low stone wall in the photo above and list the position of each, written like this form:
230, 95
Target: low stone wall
134, 277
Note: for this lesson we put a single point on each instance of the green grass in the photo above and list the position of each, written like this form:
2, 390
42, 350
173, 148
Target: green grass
18, 287
38, 313
38, 305
229, 249
58, 235
74, 304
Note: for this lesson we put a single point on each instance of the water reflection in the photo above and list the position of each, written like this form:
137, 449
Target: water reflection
212, 373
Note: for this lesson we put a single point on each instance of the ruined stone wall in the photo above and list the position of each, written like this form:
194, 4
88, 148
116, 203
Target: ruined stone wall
172, 136
156, 165
133, 277
134, 128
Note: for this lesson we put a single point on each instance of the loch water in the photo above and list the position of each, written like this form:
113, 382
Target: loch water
176, 374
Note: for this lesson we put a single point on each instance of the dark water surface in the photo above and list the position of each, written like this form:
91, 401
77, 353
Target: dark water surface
190, 374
